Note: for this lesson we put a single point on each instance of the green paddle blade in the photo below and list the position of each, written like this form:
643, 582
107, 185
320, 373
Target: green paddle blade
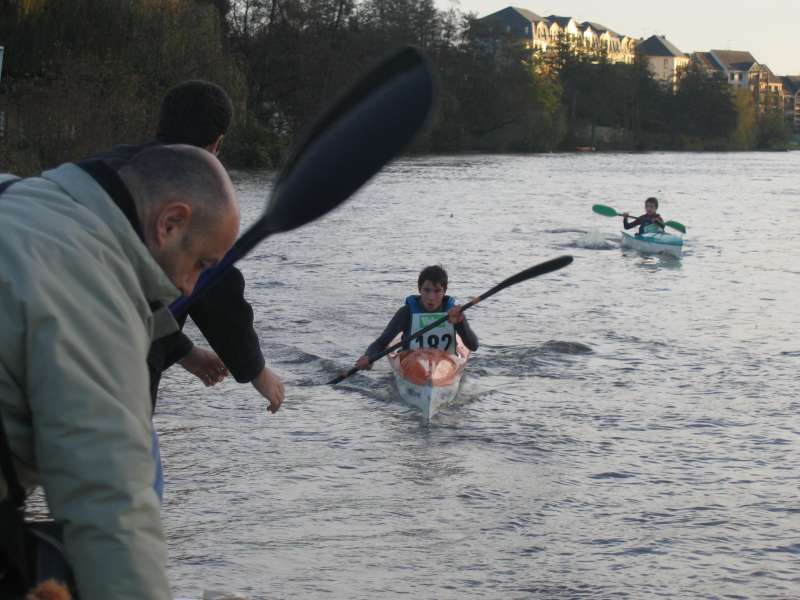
675, 225
606, 211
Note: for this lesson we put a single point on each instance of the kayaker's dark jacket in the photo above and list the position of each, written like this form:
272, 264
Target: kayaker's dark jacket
222, 314
643, 221
225, 318
401, 323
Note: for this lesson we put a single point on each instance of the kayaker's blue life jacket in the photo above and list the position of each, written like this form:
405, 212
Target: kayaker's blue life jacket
647, 224
650, 228
442, 337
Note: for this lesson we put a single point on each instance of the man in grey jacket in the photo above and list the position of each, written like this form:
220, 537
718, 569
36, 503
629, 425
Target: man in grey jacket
89, 261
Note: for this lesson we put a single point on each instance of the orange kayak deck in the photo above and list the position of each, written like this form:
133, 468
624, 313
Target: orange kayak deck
428, 378
429, 366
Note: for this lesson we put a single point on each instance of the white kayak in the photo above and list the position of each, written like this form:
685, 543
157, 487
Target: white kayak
428, 378
656, 242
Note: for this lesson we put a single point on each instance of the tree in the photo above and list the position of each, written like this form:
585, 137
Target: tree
773, 132
76, 89
745, 134
704, 108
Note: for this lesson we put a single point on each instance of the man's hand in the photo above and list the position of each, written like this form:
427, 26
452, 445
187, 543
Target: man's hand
205, 365
363, 363
270, 386
454, 315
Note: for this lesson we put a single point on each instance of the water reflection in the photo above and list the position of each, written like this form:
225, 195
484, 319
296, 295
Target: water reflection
653, 262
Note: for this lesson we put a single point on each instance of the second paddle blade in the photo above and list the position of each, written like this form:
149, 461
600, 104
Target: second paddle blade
360, 132
606, 211
676, 226
364, 130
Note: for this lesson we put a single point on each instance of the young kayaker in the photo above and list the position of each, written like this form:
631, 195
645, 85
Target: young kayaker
650, 217
418, 311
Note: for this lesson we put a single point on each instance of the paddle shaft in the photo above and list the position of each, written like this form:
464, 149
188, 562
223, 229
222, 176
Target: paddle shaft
672, 224
257, 233
535, 271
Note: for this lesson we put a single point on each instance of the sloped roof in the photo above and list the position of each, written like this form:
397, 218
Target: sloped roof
531, 16
771, 77
791, 83
511, 10
659, 45
600, 28
735, 60
706, 60
562, 21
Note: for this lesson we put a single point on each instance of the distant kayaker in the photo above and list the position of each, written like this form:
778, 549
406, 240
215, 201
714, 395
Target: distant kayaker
650, 217
418, 311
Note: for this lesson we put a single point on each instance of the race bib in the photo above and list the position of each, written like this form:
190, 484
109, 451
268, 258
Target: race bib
442, 337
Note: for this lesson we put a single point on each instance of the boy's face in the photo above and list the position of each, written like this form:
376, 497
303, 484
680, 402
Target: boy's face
650, 208
431, 295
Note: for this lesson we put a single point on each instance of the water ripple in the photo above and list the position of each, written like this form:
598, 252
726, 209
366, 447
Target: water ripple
628, 428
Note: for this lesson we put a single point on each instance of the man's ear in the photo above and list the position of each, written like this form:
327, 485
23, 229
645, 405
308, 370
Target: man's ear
214, 148
172, 222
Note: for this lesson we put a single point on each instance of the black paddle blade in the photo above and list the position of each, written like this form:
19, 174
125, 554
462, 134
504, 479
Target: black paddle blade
392, 65
357, 136
359, 133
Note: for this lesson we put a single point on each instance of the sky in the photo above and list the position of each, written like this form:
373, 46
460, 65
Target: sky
768, 29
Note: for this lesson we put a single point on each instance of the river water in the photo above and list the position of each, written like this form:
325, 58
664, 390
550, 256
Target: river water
628, 427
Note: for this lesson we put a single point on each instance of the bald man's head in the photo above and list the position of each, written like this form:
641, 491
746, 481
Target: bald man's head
187, 206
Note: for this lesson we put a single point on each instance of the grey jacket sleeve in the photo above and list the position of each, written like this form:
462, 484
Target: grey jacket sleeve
87, 385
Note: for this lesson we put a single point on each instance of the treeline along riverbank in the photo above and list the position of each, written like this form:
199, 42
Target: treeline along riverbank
86, 74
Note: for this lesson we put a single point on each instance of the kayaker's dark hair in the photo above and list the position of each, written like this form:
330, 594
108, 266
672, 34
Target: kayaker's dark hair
652, 199
435, 274
194, 112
